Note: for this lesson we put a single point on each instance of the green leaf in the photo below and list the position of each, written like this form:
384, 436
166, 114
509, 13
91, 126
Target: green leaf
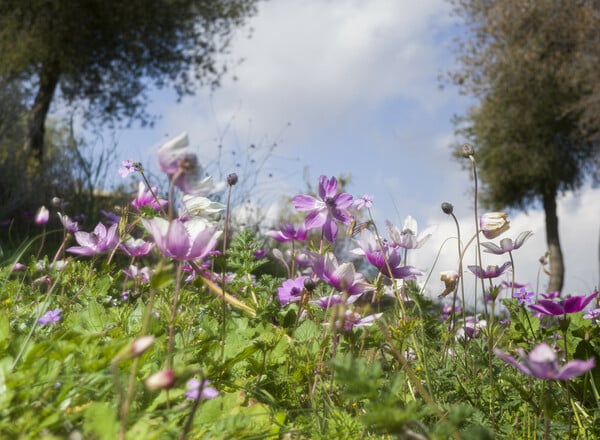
100, 421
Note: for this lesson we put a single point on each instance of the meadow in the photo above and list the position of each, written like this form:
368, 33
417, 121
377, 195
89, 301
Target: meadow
164, 322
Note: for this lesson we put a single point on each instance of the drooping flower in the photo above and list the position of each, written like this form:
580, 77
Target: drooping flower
136, 247
493, 224
524, 296
190, 240
291, 290
42, 216
96, 242
491, 271
366, 201
450, 279
196, 391
407, 238
50, 317
147, 198
69, 225
287, 232
542, 363
572, 304
329, 208
342, 277
506, 244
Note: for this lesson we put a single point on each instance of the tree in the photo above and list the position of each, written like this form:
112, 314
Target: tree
520, 60
107, 52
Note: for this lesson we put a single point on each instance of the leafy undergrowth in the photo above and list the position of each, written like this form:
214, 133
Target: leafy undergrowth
218, 345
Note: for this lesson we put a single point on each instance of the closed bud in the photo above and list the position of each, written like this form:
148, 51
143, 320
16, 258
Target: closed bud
163, 380
57, 202
309, 284
42, 216
467, 150
232, 179
141, 345
448, 208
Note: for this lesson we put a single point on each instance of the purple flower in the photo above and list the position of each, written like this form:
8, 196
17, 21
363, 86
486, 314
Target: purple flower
407, 238
551, 295
524, 296
291, 290
50, 317
510, 285
369, 247
366, 201
341, 276
128, 167
137, 274
181, 165
111, 217
136, 247
493, 224
572, 304
542, 364
204, 392
146, 198
330, 207
506, 244
352, 320
593, 314
191, 240
329, 301
287, 232
261, 253
490, 271
42, 216
69, 225
92, 243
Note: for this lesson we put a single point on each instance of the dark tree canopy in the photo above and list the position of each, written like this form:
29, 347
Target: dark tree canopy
106, 52
526, 64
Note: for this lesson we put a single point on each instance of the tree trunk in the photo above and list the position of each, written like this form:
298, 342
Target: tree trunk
557, 268
34, 143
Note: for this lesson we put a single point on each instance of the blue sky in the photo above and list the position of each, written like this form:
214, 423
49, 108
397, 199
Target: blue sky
350, 86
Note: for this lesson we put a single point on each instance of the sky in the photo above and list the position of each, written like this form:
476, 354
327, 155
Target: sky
352, 87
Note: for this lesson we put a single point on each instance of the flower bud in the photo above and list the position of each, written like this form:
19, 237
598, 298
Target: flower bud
467, 150
162, 380
232, 179
309, 284
57, 202
141, 345
493, 224
448, 208
42, 216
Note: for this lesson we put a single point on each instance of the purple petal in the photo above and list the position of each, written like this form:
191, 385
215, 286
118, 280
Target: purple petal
177, 240
548, 307
304, 202
575, 368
